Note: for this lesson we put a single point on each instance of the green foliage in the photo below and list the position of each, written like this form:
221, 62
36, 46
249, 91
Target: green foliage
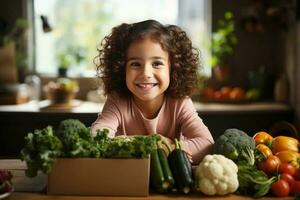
71, 56
41, 149
253, 182
235, 145
16, 35
74, 139
127, 147
223, 39
16, 32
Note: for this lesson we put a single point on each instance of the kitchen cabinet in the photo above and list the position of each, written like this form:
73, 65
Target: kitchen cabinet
18, 120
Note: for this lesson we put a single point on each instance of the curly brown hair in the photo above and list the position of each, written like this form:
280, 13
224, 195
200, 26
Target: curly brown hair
184, 58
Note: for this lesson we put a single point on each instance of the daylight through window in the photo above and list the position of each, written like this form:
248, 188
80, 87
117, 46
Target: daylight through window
68, 32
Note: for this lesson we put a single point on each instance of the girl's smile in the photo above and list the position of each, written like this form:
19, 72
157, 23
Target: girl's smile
147, 72
146, 86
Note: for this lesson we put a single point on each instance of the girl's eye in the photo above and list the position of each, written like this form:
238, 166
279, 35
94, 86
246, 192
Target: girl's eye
157, 64
134, 64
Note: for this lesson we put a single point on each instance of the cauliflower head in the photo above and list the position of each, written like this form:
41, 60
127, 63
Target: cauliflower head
216, 175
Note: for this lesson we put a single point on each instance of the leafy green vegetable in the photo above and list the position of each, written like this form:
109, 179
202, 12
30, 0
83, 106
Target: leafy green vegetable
253, 182
235, 145
74, 139
125, 147
40, 151
144, 145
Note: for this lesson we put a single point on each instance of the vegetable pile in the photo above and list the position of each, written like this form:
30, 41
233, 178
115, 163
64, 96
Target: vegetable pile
172, 172
279, 158
266, 164
240, 147
253, 166
73, 139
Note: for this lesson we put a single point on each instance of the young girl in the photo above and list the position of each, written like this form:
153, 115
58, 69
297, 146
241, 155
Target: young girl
148, 71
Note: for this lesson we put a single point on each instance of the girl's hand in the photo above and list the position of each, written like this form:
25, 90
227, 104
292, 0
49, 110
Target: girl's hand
169, 142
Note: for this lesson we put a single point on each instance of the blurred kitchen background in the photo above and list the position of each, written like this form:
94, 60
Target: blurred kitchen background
249, 75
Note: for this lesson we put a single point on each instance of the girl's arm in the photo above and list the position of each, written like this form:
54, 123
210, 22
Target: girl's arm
196, 139
109, 117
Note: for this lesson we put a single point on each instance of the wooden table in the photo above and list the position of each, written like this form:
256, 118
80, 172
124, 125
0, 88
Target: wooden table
38, 184
36, 196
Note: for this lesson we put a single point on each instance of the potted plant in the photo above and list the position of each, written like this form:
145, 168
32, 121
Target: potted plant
64, 62
70, 56
12, 42
222, 44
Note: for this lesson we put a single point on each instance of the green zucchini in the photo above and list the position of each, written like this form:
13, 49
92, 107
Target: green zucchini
181, 169
161, 177
165, 166
172, 163
156, 172
188, 162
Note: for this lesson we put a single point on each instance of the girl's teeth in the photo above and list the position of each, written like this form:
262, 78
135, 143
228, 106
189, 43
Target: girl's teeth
146, 86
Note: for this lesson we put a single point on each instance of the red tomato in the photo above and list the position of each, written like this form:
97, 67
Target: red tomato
287, 168
297, 175
288, 178
237, 94
271, 165
280, 188
208, 93
225, 92
218, 95
295, 189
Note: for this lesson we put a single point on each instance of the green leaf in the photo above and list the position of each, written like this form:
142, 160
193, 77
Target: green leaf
223, 39
228, 15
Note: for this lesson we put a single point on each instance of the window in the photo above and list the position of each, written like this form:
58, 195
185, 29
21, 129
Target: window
78, 26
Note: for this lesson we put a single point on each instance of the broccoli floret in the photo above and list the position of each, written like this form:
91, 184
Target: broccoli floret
70, 127
76, 138
235, 145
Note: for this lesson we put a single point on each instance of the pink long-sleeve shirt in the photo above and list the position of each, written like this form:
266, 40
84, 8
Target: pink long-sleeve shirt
177, 118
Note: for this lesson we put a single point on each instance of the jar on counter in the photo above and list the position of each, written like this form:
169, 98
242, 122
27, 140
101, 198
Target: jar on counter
33, 83
281, 89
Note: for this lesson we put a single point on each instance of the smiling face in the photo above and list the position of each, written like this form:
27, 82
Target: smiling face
147, 71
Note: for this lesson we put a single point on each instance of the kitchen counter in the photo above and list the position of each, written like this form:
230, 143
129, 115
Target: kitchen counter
79, 106
36, 196
241, 108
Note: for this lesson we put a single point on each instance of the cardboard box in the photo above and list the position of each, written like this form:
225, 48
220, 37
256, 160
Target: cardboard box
103, 177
